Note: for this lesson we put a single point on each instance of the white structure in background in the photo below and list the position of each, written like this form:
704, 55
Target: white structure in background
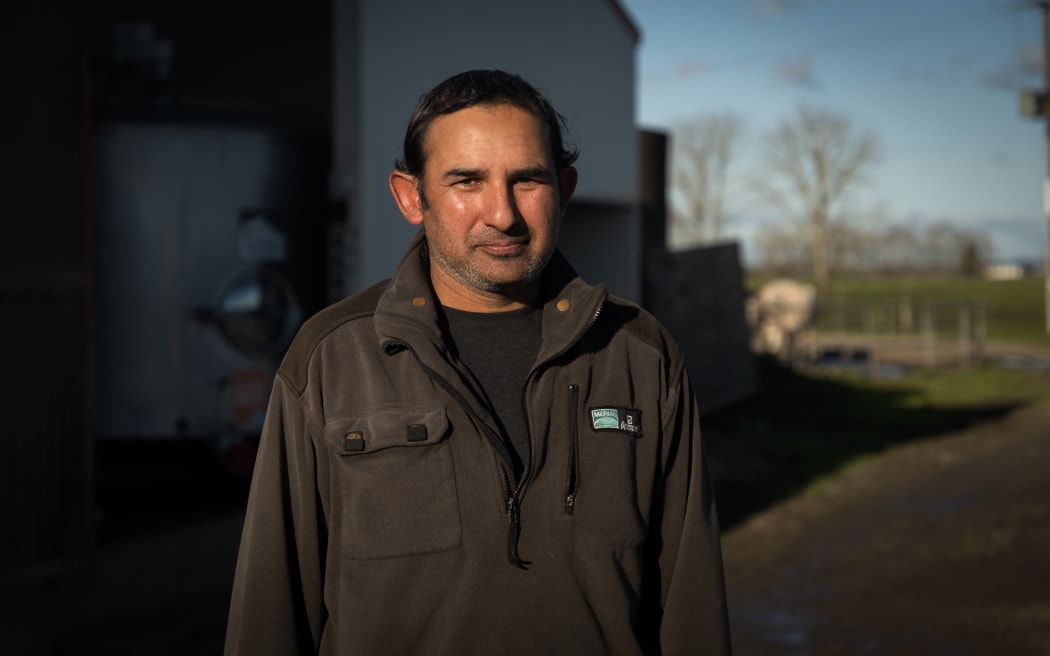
1004, 272
581, 53
779, 315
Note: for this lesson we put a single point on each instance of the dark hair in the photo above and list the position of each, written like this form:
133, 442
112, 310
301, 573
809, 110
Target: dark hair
486, 88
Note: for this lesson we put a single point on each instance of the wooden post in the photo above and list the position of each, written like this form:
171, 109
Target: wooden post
929, 339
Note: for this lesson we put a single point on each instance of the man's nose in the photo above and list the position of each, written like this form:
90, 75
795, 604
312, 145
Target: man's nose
502, 211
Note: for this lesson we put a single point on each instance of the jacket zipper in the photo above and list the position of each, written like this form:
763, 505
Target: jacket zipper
494, 439
514, 502
573, 484
513, 496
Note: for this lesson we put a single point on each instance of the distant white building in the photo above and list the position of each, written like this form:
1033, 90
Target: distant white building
1004, 272
581, 53
1011, 270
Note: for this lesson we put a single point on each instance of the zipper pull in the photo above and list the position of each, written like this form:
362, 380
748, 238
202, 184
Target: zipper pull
570, 503
515, 534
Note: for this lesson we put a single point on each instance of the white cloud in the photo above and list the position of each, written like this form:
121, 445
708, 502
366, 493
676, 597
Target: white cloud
769, 9
692, 68
797, 71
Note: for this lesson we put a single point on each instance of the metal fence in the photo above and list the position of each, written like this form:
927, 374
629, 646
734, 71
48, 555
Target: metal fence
923, 332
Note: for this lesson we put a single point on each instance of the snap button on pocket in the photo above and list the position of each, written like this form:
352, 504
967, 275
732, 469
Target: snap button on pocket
395, 483
417, 432
353, 442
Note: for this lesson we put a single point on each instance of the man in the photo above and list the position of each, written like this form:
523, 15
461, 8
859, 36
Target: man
483, 455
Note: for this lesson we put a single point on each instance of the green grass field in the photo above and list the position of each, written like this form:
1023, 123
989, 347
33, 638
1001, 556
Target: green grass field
806, 425
1014, 310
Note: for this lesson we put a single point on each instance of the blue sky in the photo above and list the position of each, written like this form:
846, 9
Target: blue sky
936, 83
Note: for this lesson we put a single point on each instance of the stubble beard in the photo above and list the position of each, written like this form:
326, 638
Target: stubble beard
471, 273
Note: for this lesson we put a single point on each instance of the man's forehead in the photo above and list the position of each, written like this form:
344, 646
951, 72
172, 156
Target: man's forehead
455, 128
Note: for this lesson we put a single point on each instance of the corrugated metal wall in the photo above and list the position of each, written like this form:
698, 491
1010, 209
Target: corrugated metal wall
45, 485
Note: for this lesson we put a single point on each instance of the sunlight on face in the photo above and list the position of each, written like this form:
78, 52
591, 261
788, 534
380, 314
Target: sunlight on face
493, 208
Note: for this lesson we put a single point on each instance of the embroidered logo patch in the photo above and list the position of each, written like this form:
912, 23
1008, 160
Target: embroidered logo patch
622, 420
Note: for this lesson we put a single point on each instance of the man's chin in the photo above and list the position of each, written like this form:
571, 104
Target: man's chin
509, 284
503, 276
502, 284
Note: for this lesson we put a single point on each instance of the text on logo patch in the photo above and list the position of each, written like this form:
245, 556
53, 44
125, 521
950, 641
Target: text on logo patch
623, 420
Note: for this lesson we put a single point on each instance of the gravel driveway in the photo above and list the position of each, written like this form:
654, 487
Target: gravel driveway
941, 547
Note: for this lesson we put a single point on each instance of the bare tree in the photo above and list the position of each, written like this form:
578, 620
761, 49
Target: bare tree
948, 248
940, 244
900, 249
815, 160
782, 250
702, 151
850, 247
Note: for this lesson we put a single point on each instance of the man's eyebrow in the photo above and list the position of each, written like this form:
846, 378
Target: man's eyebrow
463, 172
537, 171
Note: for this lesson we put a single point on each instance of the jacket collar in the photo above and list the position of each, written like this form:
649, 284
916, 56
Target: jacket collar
408, 309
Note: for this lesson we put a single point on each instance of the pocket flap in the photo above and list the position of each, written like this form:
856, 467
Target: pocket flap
388, 428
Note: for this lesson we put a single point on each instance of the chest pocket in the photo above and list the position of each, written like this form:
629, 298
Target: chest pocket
397, 483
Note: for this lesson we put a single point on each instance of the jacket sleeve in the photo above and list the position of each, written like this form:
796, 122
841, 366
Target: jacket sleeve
276, 605
685, 556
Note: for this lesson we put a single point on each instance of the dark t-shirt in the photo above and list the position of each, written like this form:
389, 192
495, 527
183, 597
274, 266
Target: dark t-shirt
500, 349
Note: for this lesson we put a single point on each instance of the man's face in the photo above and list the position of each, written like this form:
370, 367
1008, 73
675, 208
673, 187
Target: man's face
492, 205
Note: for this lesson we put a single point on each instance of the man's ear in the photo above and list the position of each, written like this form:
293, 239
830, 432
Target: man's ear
567, 178
405, 189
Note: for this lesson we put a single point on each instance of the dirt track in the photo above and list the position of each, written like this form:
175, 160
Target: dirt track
941, 547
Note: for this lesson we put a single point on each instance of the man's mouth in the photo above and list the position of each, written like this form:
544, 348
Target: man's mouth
503, 248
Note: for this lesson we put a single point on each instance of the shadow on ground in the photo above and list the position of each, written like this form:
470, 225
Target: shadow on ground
799, 429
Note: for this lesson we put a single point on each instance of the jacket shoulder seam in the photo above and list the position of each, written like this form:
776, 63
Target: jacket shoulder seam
295, 365
641, 324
